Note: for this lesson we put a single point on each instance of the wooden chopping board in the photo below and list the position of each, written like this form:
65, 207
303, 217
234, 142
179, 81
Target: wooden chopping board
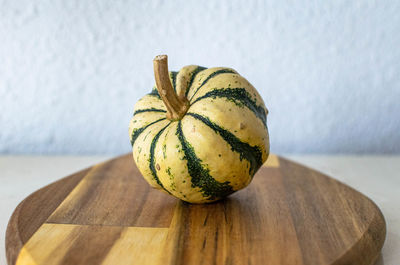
108, 214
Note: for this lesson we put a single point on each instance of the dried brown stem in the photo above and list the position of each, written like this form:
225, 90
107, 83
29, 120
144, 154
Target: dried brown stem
176, 106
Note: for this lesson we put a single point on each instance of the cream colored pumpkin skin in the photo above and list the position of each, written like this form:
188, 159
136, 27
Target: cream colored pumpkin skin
215, 149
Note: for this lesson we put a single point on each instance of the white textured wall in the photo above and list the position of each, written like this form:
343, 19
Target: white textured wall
71, 71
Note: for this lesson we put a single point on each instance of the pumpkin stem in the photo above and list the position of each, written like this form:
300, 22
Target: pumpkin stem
176, 106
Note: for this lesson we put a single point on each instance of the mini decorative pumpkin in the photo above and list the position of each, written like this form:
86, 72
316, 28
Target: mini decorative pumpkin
201, 134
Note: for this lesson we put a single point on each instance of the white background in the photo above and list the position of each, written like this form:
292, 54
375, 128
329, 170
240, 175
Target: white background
71, 71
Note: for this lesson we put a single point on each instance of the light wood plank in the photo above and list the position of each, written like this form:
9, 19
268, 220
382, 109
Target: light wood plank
47, 246
272, 161
59, 244
138, 245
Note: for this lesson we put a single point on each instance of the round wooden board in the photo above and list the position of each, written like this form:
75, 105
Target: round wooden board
108, 214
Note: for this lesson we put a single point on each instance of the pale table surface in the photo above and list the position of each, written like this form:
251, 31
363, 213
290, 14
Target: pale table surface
378, 177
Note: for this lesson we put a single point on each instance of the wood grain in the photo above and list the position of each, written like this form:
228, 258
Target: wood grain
109, 215
32, 212
106, 189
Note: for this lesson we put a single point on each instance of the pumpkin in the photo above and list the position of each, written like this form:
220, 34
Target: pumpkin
200, 134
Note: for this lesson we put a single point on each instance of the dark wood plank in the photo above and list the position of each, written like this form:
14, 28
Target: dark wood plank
331, 218
252, 226
112, 193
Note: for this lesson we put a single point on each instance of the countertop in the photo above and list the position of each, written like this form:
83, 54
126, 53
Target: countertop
378, 177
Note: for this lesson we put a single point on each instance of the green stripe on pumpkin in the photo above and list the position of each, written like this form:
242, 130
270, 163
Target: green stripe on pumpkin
151, 159
222, 71
173, 75
137, 132
148, 110
194, 73
252, 154
200, 176
154, 93
240, 97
